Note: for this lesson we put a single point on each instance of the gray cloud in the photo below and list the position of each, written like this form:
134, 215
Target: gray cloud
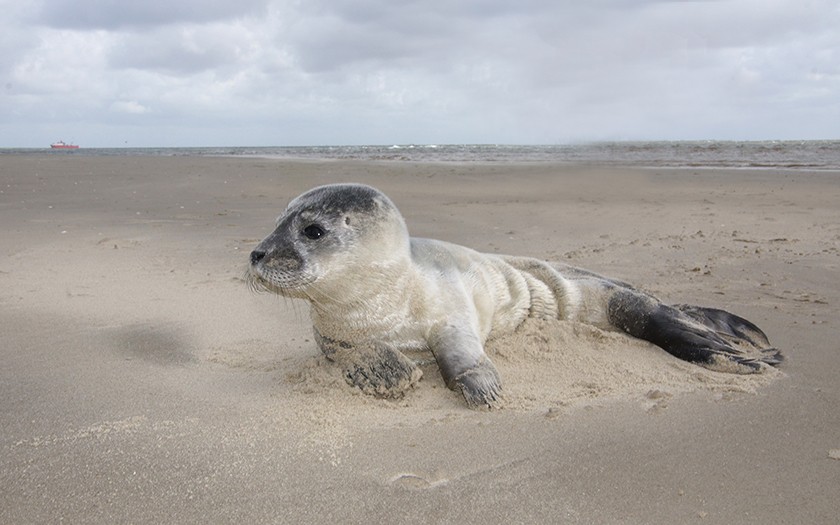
117, 14
174, 50
327, 71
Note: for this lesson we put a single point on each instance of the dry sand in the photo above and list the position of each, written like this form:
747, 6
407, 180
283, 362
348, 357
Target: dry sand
143, 383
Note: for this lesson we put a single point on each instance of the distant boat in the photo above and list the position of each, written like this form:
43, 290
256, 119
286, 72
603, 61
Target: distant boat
63, 145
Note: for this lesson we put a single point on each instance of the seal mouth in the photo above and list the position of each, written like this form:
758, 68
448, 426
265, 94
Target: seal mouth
262, 279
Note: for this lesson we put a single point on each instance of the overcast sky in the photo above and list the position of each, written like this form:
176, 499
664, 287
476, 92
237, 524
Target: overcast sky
286, 72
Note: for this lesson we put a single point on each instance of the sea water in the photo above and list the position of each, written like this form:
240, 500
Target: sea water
819, 154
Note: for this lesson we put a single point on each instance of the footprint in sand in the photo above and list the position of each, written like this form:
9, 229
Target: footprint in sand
410, 481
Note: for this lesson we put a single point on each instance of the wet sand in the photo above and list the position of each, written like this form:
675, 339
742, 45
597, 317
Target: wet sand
143, 383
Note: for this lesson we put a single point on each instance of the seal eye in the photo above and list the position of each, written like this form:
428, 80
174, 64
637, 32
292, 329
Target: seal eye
313, 231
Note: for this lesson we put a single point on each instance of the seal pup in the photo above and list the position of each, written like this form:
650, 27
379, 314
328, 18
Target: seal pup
377, 294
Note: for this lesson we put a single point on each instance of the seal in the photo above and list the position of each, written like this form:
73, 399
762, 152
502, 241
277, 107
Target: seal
376, 294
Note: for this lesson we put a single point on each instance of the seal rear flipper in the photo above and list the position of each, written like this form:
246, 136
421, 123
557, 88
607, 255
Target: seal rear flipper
725, 323
712, 338
738, 332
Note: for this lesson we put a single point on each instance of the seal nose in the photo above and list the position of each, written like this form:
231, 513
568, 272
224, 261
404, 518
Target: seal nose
257, 256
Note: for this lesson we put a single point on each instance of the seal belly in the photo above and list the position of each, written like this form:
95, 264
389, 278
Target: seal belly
482, 288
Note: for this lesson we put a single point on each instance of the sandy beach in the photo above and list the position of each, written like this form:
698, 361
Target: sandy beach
142, 382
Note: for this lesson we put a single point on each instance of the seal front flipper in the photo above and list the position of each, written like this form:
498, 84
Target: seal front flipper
376, 368
465, 367
480, 385
380, 370
712, 338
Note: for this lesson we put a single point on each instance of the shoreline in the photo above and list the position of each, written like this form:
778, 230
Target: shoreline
799, 154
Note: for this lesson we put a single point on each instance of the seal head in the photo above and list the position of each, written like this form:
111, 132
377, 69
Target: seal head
324, 236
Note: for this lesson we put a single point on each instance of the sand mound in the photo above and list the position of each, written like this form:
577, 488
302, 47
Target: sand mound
545, 365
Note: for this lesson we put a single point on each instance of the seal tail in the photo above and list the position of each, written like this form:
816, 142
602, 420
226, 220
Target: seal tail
712, 338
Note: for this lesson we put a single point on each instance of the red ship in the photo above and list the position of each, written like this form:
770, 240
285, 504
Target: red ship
63, 145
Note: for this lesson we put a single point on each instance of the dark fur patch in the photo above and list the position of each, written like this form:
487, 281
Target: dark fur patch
344, 198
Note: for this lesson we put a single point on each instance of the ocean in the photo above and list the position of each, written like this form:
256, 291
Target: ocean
816, 155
